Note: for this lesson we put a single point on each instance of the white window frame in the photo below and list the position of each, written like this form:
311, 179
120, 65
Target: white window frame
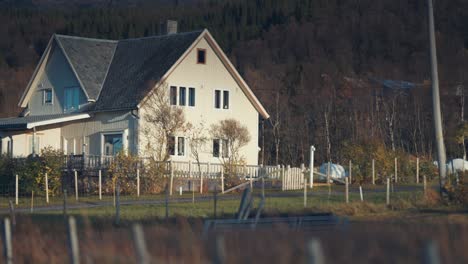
124, 134
176, 146
221, 99
44, 96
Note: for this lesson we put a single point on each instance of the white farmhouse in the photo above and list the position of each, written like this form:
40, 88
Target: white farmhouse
87, 96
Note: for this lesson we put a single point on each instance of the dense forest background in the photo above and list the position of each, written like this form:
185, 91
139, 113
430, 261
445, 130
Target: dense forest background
331, 73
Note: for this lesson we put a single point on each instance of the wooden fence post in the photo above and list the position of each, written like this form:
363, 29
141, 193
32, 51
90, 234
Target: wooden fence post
32, 201
138, 182
360, 193
12, 213
388, 191
431, 253
350, 171
100, 185
305, 193
73, 245
373, 171
172, 177
282, 177
117, 203
315, 252
347, 189
7, 243
396, 169
47, 187
288, 178
76, 185
222, 179
417, 170
16, 189
220, 256
425, 185
311, 165
139, 242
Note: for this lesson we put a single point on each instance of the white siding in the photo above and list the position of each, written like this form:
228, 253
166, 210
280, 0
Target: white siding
206, 78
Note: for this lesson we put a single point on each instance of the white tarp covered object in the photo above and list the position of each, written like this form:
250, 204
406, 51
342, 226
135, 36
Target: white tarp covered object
336, 171
457, 165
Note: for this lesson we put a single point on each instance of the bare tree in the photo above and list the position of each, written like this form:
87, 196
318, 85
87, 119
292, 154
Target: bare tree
235, 135
197, 141
162, 121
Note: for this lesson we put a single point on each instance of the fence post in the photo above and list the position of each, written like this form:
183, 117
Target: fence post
100, 185
117, 203
425, 185
347, 189
373, 171
305, 193
282, 178
311, 175
431, 253
12, 213
32, 201
47, 187
388, 191
220, 252
222, 179
360, 193
166, 202
140, 244
350, 171
396, 169
16, 189
288, 178
314, 252
73, 241
76, 185
138, 182
7, 244
171, 163
417, 170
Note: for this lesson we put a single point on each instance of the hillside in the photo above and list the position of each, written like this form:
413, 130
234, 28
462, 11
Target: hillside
322, 68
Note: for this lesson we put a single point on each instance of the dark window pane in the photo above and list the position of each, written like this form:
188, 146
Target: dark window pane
171, 145
173, 95
112, 144
215, 147
217, 99
48, 96
201, 56
225, 99
191, 97
182, 95
180, 146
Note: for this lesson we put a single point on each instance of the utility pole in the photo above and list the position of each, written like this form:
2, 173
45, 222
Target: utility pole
436, 100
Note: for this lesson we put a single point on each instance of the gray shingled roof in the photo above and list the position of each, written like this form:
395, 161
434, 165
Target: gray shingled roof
138, 63
20, 123
90, 58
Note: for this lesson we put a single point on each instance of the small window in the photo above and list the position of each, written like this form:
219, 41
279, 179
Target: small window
217, 99
182, 95
173, 95
48, 96
171, 145
225, 148
201, 56
216, 148
225, 99
72, 98
113, 144
191, 97
180, 146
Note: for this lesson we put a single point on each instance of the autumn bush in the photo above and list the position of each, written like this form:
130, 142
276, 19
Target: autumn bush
361, 155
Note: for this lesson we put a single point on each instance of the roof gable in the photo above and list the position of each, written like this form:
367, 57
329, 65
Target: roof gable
89, 59
137, 65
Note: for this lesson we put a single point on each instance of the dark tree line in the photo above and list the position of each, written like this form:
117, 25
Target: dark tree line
319, 66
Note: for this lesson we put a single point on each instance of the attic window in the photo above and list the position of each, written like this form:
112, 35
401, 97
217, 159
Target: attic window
48, 96
201, 56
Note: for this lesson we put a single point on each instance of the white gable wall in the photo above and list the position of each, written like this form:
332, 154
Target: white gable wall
57, 75
206, 78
